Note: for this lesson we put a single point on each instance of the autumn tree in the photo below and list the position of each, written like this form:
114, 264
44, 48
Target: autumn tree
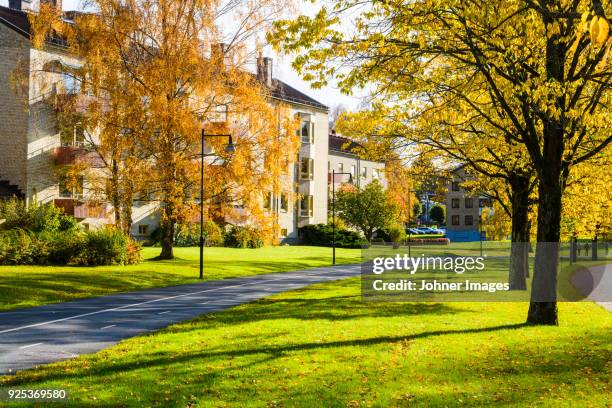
536, 71
158, 72
438, 214
367, 209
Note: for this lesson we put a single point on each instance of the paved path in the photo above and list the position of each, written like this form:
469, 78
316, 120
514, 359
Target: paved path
45, 334
596, 283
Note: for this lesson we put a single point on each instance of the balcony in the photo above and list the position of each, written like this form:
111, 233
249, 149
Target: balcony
81, 209
76, 153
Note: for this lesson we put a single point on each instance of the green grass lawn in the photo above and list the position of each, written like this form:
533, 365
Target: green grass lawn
323, 347
25, 286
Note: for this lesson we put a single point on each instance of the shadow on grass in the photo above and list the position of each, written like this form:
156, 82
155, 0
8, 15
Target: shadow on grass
23, 289
272, 352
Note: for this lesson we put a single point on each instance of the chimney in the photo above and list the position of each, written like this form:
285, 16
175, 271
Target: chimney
264, 71
15, 4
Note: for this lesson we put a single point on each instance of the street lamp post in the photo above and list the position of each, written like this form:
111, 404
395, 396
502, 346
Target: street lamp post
333, 181
229, 148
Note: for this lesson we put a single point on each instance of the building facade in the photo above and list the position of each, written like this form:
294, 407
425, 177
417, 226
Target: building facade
34, 150
344, 157
463, 209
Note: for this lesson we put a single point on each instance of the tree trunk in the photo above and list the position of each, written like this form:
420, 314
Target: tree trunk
543, 306
519, 249
167, 241
114, 194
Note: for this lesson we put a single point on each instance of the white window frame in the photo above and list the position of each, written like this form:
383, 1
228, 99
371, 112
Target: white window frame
308, 211
309, 174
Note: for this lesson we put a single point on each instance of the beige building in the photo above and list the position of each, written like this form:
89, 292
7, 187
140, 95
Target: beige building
343, 157
34, 150
463, 208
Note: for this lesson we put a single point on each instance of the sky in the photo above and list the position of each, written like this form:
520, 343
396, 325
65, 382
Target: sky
282, 70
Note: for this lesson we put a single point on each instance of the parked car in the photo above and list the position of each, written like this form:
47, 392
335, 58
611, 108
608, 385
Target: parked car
413, 231
426, 230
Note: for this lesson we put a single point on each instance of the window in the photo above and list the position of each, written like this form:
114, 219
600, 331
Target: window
455, 203
484, 202
72, 136
306, 130
283, 232
306, 168
306, 206
469, 202
353, 171
455, 220
376, 174
267, 201
71, 84
143, 229
456, 186
284, 202
364, 172
85, 226
340, 168
71, 188
469, 220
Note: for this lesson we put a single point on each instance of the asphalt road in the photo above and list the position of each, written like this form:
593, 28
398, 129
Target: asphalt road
45, 334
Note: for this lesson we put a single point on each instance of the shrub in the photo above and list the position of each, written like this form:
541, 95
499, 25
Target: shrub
244, 237
187, 236
16, 247
106, 246
36, 217
64, 246
322, 234
439, 241
396, 234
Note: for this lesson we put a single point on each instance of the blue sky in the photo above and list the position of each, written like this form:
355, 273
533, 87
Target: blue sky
329, 96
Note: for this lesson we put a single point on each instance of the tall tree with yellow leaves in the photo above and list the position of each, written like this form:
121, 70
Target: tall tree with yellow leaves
540, 66
157, 73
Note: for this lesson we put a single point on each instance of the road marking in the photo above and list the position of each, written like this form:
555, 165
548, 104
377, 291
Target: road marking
167, 311
29, 326
30, 345
107, 327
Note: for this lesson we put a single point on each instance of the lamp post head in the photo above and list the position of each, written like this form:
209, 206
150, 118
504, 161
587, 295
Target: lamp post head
230, 147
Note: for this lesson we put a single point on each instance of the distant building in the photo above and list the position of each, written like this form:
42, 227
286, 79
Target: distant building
463, 209
343, 157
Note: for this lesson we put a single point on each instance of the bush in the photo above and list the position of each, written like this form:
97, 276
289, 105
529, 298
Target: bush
244, 237
396, 234
322, 234
439, 241
188, 236
36, 217
103, 247
16, 248
106, 246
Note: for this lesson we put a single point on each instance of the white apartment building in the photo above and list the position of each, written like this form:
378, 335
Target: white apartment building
344, 157
32, 147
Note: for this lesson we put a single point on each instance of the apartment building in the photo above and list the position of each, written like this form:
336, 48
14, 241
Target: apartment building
463, 208
33, 149
344, 157
309, 172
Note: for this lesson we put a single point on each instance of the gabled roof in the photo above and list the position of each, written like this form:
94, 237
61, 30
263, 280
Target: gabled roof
282, 91
17, 21
343, 145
